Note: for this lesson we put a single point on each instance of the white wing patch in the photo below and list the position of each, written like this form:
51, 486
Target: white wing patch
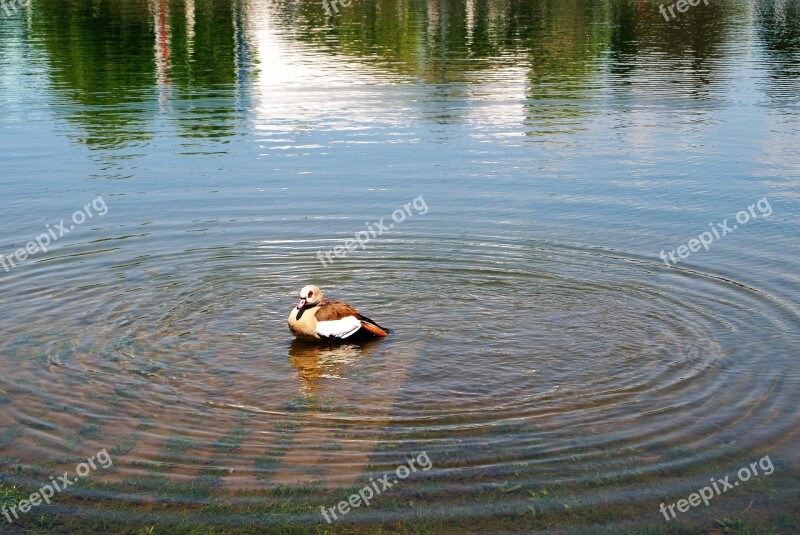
339, 328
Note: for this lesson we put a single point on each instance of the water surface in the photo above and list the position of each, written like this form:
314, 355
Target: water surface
559, 374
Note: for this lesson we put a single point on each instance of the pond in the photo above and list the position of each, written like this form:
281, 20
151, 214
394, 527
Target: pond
579, 219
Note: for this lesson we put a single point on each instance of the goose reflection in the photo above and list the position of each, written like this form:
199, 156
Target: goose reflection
314, 362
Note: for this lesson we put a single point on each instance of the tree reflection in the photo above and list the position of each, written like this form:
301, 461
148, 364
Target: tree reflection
122, 62
100, 57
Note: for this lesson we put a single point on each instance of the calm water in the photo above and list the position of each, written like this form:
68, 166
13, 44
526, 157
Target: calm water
540, 346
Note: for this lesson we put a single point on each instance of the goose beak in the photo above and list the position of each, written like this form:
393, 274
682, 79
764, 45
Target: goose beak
301, 304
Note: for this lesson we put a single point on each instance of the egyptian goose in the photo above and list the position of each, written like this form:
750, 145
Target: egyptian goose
324, 319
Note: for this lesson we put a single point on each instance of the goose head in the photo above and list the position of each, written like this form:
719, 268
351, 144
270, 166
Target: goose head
310, 295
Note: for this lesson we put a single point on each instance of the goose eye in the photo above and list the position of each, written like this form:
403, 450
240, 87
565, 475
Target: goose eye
310, 294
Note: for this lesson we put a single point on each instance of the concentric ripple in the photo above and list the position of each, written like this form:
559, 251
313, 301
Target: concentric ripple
512, 362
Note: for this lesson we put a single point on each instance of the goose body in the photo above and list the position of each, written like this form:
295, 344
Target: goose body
317, 318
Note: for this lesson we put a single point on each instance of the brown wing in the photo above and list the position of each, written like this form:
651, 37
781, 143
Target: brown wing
331, 310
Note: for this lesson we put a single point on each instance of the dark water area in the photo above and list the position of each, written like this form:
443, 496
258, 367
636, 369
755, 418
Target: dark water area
588, 258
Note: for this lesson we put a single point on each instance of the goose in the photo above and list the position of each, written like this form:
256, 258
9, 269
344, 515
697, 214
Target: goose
317, 318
